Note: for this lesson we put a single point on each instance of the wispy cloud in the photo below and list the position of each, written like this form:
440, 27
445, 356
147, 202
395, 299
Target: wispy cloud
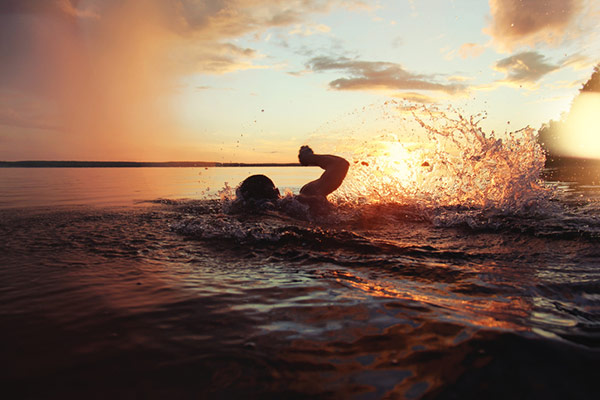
578, 62
309, 29
217, 58
470, 50
466, 50
378, 75
415, 97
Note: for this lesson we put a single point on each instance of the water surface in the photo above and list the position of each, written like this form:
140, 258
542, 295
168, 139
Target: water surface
138, 283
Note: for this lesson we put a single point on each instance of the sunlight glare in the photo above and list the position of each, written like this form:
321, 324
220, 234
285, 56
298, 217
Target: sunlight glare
581, 133
396, 160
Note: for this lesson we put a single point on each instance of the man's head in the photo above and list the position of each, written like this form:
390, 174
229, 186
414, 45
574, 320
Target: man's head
258, 187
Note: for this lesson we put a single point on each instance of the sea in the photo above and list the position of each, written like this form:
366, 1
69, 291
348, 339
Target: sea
462, 275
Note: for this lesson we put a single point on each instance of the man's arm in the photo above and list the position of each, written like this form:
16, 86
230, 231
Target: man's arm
335, 171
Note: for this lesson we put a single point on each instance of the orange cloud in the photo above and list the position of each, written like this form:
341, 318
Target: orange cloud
378, 75
414, 97
517, 23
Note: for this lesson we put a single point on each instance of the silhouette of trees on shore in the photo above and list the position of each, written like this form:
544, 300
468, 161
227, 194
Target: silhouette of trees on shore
593, 84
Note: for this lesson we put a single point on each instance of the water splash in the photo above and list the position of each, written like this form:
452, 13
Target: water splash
407, 154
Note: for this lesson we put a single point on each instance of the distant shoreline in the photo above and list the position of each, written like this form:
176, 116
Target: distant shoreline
551, 161
134, 164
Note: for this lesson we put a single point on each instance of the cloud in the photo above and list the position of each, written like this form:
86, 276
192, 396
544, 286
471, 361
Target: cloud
524, 68
458, 78
578, 62
67, 7
473, 50
234, 18
309, 29
517, 23
200, 34
218, 58
416, 98
378, 75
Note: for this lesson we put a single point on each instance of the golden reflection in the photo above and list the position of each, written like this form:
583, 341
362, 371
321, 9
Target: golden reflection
490, 312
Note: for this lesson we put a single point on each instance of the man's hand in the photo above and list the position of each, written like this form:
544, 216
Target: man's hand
305, 155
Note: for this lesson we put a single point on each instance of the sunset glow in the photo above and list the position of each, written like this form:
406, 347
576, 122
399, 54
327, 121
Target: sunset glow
249, 81
300, 199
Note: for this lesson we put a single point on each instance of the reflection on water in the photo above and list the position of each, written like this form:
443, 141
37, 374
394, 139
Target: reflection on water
584, 173
491, 311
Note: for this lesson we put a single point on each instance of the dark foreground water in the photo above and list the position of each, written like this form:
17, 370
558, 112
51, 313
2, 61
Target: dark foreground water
179, 299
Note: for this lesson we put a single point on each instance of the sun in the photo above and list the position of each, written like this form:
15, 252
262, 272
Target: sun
396, 160
580, 134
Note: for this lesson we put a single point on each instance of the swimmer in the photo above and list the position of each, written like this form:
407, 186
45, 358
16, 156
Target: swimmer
260, 190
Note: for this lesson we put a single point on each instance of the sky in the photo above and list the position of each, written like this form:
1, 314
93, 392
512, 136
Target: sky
253, 80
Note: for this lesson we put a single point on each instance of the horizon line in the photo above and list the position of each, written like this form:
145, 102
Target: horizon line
115, 164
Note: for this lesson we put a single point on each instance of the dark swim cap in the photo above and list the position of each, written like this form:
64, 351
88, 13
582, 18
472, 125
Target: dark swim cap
258, 187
